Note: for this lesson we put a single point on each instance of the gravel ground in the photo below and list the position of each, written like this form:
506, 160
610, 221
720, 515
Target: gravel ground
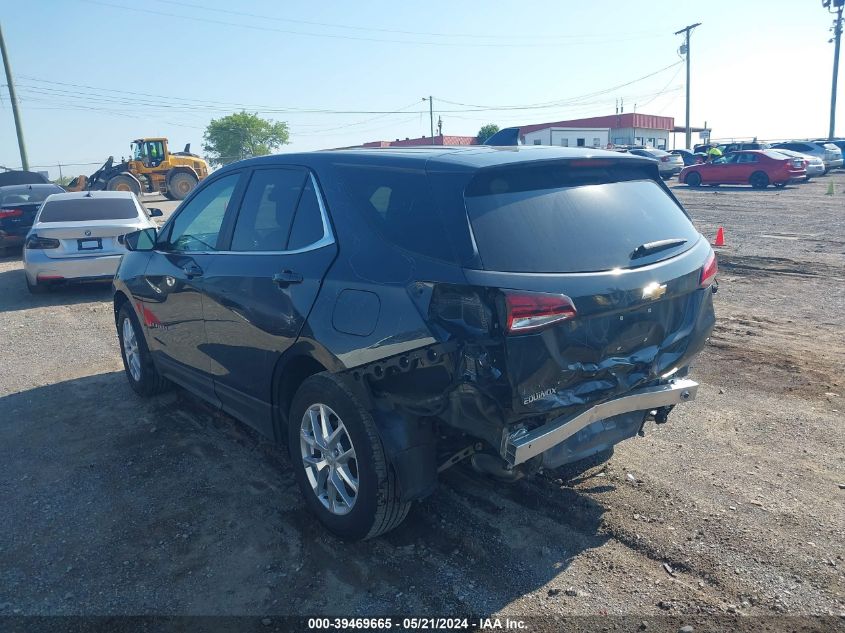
114, 505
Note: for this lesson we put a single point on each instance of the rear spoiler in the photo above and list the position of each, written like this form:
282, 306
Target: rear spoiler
504, 138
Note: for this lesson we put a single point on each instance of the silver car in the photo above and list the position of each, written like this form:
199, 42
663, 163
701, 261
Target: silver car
668, 165
828, 152
75, 236
815, 165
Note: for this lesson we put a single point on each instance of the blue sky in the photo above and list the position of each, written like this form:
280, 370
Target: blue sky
94, 74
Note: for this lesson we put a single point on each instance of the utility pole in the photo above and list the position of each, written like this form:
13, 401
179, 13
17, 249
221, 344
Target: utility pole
837, 36
431, 115
14, 99
686, 31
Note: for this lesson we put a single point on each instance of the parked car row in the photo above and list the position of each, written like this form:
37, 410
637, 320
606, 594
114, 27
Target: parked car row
829, 152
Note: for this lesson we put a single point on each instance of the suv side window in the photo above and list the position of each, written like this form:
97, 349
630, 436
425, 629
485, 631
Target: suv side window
398, 202
197, 226
267, 209
308, 223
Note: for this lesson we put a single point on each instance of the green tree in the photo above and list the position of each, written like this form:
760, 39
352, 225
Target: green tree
487, 131
242, 135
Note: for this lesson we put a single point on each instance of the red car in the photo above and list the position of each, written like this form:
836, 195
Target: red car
758, 168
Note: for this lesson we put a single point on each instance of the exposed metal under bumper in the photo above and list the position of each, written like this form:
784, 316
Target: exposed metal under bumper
519, 448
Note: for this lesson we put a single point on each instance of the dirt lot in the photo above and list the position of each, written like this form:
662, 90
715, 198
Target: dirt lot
113, 505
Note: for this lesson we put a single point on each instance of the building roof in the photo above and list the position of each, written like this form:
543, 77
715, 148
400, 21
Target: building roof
627, 119
425, 140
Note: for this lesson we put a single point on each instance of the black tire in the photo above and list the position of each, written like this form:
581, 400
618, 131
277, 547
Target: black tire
693, 179
376, 508
122, 182
180, 184
37, 288
666, 176
149, 382
759, 180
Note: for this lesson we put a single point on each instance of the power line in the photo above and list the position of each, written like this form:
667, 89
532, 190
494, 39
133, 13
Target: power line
497, 37
549, 104
264, 28
193, 105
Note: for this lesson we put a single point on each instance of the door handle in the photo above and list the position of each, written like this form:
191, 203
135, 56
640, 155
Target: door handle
191, 270
287, 277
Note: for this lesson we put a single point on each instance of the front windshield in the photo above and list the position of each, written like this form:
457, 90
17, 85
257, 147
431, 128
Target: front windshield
136, 151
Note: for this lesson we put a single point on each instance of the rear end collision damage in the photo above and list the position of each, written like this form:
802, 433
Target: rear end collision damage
500, 382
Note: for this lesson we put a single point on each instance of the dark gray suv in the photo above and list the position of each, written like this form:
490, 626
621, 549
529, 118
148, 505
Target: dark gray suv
389, 313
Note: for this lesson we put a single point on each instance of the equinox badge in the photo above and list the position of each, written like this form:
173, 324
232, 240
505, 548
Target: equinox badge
654, 290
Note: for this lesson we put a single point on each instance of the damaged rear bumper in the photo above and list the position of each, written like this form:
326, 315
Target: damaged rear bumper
522, 445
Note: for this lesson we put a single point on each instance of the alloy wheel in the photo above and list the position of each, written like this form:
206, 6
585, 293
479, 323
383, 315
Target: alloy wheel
131, 351
329, 459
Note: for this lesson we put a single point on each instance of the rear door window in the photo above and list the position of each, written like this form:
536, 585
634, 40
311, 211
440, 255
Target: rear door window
267, 209
397, 201
571, 219
308, 222
84, 209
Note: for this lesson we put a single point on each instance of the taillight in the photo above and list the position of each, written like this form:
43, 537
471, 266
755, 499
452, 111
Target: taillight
10, 213
35, 242
708, 271
533, 311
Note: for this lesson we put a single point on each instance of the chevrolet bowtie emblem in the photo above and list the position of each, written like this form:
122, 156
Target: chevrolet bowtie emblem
654, 290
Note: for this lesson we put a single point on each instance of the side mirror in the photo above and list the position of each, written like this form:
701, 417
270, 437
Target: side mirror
155, 213
143, 240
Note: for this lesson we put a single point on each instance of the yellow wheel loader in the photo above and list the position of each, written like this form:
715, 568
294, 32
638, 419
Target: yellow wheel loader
151, 169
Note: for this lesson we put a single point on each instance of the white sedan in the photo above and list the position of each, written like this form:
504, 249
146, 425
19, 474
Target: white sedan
75, 236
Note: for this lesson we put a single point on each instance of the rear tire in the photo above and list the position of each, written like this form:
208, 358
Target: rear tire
693, 180
137, 360
759, 180
37, 288
123, 182
357, 498
180, 184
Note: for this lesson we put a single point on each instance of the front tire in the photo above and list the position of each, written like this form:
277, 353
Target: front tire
124, 183
137, 361
693, 180
339, 461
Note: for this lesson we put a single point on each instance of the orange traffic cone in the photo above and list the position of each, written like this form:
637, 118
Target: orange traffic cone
720, 237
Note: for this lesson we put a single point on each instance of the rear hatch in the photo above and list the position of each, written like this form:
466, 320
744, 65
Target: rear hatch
598, 277
87, 227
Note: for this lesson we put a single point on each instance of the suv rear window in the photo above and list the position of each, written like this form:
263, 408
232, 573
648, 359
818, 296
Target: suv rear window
572, 219
26, 194
88, 209
397, 201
